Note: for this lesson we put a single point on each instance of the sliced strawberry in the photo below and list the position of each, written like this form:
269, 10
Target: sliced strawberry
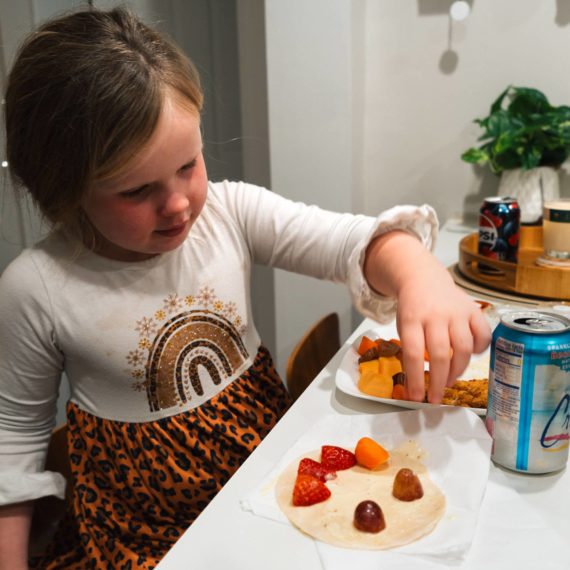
337, 458
309, 490
314, 468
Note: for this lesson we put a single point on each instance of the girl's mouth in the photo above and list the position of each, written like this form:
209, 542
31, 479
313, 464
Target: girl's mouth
173, 231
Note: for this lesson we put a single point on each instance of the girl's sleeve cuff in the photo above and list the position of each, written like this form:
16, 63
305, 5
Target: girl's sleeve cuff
17, 487
420, 221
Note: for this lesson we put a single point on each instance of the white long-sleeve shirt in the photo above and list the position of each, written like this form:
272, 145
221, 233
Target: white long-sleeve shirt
146, 340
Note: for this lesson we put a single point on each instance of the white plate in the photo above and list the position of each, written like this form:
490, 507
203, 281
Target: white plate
346, 378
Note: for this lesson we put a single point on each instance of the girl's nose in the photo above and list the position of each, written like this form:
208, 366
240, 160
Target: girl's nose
175, 201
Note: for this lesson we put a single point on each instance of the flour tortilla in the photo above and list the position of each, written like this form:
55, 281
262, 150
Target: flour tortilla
332, 520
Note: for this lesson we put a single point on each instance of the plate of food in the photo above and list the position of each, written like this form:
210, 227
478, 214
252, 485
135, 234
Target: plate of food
372, 369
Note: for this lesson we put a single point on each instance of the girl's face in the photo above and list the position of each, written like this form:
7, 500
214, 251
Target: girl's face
149, 208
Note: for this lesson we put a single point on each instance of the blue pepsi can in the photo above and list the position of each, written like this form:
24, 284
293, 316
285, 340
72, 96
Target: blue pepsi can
499, 228
528, 411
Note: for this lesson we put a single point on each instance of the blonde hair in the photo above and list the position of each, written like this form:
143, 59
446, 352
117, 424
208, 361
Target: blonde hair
84, 94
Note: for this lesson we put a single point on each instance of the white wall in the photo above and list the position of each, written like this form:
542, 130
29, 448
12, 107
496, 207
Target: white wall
311, 136
426, 82
255, 145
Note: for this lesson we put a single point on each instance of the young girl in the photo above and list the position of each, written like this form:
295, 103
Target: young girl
141, 295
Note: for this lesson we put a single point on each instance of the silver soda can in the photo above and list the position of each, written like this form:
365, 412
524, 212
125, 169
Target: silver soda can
528, 412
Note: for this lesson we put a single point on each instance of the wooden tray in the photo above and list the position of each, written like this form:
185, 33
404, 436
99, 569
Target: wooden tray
524, 278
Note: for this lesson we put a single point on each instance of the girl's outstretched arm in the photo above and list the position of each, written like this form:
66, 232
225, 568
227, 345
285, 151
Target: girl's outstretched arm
433, 314
15, 523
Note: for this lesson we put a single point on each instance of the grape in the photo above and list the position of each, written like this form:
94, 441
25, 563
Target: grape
368, 517
407, 486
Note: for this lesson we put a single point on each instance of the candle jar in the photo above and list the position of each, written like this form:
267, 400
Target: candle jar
556, 228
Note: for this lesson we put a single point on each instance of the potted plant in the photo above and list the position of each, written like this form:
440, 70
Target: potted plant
525, 139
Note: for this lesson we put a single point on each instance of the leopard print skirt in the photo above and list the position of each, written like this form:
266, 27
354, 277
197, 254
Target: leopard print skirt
139, 486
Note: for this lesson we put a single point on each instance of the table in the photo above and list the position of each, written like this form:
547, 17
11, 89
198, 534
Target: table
225, 536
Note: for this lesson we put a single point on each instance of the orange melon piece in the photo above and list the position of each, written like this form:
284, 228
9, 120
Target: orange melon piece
370, 454
368, 366
376, 384
389, 365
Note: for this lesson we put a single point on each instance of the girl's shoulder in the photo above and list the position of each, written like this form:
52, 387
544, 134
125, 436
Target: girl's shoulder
30, 268
234, 200
21, 283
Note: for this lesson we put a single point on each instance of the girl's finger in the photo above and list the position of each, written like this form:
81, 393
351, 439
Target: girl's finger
480, 331
461, 341
438, 347
412, 338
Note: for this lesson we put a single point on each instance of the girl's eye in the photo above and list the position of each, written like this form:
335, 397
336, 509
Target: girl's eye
188, 166
142, 191
136, 193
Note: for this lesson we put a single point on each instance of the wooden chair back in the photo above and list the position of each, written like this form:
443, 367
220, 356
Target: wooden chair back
312, 353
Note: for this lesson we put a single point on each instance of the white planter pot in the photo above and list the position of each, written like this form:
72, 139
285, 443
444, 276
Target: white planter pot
531, 188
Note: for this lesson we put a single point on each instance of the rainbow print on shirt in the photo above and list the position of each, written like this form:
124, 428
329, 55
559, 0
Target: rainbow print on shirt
180, 348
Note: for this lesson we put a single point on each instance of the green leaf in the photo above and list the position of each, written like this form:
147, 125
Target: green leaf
498, 123
530, 158
525, 101
475, 156
503, 143
498, 103
506, 161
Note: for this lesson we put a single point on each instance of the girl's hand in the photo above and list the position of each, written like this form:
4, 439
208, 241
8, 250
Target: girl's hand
433, 313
